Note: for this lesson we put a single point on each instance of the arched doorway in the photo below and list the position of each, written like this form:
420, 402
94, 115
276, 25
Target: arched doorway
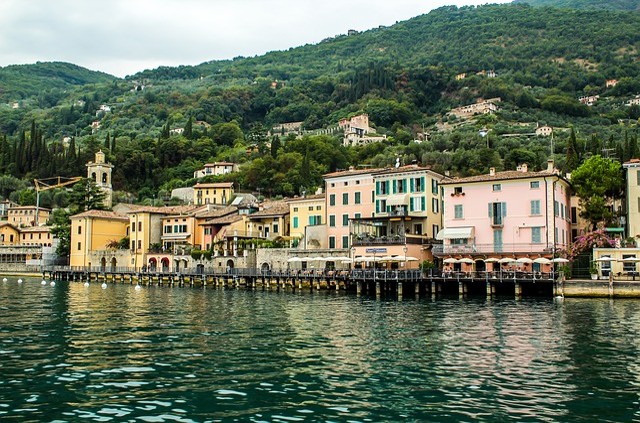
114, 264
103, 264
200, 269
165, 264
265, 267
229, 264
153, 264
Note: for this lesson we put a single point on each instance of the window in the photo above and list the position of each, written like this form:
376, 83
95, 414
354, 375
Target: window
435, 229
457, 211
497, 240
628, 266
133, 227
434, 187
345, 242
345, 198
79, 246
332, 242
315, 220
574, 214
275, 229
556, 208
357, 216
534, 184
318, 207
295, 222
310, 208
133, 245
497, 212
332, 200
637, 177
167, 229
434, 205
497, 187
332, 221
536, 235
295, 209
357, 198
139, 226
345, 220
139, 244
79, 230
457, 190
535, 207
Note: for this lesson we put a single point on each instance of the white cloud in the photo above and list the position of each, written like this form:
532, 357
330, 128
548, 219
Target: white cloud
122, 37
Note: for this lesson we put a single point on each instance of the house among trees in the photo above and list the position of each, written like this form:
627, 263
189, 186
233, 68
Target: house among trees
215, 169
479, 108
589, 100
356, 131
544, 131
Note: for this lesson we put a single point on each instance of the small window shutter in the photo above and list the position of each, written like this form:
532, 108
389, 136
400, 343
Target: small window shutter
377, 187
504, 209
423, 182
395, 186
413, 184
490, 209
388, 187
411, 204
377, 206
423, 201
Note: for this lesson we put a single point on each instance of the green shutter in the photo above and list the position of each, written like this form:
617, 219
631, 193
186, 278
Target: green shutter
377, 187
504, 209
404, 185
395, 186
388, 187
411, 204
413, 185
423, 200
377, 206
490, 210
423, 183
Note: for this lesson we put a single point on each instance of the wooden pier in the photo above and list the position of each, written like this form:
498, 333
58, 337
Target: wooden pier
369, 282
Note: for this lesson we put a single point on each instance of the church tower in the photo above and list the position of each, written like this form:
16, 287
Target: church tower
100, 172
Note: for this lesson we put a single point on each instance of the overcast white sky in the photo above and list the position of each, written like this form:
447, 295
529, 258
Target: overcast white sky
122, 37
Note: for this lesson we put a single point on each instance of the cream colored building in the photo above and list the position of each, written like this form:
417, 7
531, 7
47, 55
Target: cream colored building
632, 168
219, 193
215, 169
9, 234
37, 235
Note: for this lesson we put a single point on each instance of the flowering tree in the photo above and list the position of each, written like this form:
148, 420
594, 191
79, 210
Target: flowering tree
588, 241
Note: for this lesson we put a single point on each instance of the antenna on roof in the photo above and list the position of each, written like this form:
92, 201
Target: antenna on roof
397, 162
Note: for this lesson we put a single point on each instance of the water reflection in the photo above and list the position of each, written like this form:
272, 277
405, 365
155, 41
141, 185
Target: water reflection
72, 352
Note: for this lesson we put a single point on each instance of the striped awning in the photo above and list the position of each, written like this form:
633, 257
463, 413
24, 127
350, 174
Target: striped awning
464, 232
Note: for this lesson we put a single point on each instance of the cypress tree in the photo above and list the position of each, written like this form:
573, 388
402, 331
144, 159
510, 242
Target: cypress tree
572, 155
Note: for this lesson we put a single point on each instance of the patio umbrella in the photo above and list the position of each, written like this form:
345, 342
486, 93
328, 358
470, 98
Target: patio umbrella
630, 260
450, 260
339, 258
409, 258
605, 258
387, 258
560, 260
524, 260
506, 260
491, 260
466, 260
294, 259
542, 260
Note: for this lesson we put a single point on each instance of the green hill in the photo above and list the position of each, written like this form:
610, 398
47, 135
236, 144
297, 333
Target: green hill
586, 4
23, 81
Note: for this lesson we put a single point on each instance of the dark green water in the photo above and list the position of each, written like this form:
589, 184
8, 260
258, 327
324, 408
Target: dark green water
76, 353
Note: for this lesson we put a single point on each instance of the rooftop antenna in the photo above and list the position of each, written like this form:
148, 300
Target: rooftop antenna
397, 162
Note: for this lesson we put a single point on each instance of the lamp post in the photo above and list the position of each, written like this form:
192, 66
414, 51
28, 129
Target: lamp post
404, 250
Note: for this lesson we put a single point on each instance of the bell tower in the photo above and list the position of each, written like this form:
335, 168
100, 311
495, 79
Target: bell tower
100, 172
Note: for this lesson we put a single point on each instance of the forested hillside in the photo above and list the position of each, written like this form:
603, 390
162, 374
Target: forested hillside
586, 4
160, 125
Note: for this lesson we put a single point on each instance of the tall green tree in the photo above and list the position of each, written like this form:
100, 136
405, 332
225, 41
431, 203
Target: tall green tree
598, 182
572, 154
86, 195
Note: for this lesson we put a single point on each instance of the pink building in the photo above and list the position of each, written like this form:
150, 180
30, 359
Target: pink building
350, 195
516, 214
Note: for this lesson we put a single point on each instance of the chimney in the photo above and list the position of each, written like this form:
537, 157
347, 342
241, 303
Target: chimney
492, 171
550, 165
524, 167
351, 168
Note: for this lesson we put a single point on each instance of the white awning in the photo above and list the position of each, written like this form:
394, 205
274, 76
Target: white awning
464, 232
398, 200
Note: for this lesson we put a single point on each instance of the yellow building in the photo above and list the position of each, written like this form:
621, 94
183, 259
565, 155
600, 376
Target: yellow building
213, 193
37, 235
25, 216
270, 222
307, 220
146, 230
9, 234
94, 230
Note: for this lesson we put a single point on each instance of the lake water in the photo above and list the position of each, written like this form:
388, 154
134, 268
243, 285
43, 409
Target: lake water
76, 353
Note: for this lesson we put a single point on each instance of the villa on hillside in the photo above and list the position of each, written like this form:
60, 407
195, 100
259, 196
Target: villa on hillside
215, 169
479, 108
357, 130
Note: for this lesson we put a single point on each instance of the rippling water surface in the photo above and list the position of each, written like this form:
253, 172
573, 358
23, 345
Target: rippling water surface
70, 353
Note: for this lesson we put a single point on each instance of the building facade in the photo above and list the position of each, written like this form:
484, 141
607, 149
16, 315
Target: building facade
100, 172
308, 220
213, 193
506, 214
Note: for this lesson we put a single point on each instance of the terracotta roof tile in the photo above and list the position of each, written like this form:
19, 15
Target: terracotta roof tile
501, 176
276, 208
102, 214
